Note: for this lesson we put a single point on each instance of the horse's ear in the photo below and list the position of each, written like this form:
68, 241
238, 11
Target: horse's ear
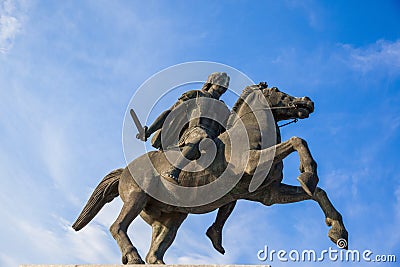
263, 85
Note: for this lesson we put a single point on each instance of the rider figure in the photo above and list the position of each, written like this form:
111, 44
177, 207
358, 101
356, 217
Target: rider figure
197, 129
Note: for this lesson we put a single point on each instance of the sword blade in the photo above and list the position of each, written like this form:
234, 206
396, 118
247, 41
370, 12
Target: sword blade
137, 123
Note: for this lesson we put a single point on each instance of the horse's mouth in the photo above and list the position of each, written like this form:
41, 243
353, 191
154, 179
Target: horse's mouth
304, 109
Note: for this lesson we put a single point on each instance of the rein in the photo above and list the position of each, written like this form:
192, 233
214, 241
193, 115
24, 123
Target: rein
271, 108
290, 122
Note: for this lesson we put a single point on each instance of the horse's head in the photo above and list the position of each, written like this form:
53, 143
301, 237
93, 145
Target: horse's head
285, 107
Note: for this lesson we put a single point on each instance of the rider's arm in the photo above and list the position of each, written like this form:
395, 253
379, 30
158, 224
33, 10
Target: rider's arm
158, 123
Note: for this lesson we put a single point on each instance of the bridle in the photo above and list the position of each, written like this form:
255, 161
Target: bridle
290, 122
290, 106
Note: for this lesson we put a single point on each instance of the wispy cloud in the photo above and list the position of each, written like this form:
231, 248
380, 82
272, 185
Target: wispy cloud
311, 10
382, 54
55, 240
12, 16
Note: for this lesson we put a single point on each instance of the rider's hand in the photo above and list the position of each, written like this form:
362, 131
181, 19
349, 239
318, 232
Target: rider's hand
144, 136
146, 133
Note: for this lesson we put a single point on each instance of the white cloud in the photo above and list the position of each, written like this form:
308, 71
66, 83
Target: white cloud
9, 27
382, 54
65, 245
12, 16
336, 180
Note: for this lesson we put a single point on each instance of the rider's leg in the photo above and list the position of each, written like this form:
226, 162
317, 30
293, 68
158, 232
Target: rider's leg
190, 151
214, 232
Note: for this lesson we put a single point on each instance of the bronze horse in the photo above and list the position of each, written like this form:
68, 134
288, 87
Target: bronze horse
165, 219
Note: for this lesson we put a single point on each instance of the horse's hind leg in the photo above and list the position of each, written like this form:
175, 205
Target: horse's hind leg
134, 201
283, 194
164, 233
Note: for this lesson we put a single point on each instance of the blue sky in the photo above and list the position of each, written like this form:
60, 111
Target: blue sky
69, 69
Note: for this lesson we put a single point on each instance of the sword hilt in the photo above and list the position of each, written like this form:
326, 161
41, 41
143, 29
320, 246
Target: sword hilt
142, 135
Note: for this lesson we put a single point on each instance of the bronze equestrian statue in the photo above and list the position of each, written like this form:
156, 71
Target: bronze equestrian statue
165, 219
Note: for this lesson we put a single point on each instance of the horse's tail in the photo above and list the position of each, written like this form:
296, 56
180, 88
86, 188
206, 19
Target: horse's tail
105, 192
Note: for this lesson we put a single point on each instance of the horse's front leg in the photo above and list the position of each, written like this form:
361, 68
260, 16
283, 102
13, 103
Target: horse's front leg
333, 218
283, 194
260, 160
308, 167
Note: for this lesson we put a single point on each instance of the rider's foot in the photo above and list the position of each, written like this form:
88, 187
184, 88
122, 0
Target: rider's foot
171, 175
216, 238
308, 182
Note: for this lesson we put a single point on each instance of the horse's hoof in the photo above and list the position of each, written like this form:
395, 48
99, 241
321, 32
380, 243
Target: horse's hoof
216, 239
338, 234
126, 259
340, 239
154, 260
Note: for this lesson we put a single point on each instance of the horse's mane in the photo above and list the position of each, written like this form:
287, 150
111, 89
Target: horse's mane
236, 107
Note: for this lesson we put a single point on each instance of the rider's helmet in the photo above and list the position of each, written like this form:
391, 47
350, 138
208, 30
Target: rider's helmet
219, 78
